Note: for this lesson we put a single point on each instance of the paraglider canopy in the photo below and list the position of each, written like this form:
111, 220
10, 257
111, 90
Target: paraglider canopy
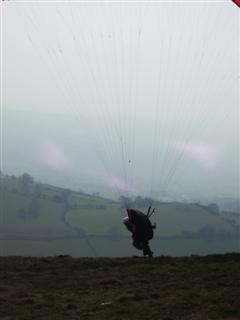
237, 2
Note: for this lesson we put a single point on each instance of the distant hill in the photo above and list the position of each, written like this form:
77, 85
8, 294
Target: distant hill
229, 204
32, 210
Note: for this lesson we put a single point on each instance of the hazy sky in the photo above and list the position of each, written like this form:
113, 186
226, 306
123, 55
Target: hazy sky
138, 97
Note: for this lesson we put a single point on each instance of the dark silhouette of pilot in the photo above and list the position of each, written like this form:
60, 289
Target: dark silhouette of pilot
141, 228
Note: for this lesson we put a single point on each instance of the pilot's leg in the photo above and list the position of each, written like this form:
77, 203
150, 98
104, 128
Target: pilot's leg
147, 251
137, 244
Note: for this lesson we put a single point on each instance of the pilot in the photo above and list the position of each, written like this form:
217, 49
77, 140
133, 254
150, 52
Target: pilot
141, 228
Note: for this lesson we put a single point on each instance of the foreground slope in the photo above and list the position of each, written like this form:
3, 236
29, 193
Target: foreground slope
120, 288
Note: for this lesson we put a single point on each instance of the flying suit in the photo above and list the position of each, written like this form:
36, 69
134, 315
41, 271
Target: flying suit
141, 228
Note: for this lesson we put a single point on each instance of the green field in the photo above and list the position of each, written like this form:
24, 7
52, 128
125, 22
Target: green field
43, 212
172, 219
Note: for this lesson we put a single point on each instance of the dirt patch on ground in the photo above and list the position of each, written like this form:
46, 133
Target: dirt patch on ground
164, 288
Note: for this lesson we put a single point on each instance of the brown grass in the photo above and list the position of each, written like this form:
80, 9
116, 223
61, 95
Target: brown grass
166, 288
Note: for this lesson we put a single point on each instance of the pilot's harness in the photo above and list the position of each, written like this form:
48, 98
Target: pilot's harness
150, 213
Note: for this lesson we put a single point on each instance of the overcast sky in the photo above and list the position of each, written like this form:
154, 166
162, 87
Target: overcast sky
136, 98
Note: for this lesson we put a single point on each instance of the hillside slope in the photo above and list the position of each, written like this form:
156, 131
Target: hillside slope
193, 288
39, 211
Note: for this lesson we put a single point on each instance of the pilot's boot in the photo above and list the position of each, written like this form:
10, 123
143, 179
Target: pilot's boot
147, 251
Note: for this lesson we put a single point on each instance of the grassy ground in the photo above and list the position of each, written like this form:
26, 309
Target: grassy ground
165, 288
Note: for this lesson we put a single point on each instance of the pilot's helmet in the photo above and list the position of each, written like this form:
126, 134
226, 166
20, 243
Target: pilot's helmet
125, 220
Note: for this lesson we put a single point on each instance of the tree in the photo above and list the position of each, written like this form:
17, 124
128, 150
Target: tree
207, 232
33, 209
126, 201
26, 180
142, 202
21, 213
65, 194
38, 189
213, 208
